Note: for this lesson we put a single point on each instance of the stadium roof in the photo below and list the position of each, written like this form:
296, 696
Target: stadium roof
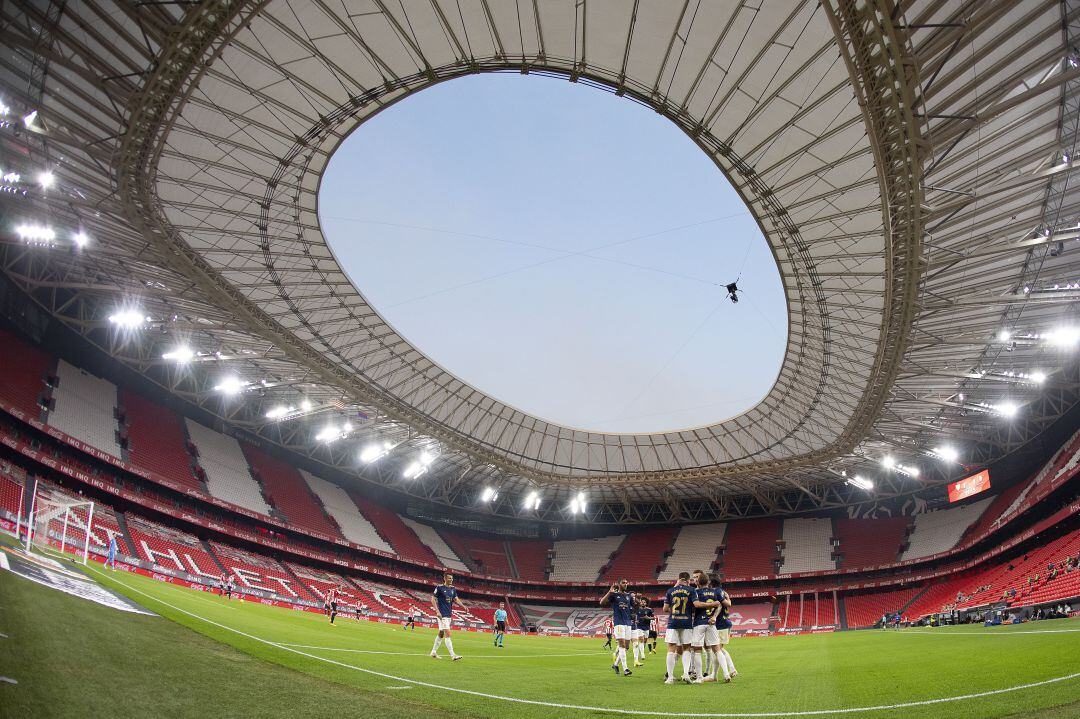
908, 163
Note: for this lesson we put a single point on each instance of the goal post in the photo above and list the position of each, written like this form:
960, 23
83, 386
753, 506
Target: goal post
63, 524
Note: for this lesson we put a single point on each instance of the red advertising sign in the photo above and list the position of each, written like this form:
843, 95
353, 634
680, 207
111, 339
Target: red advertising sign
968, 486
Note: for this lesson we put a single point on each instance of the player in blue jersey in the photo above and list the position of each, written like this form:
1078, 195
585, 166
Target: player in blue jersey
622, 616
723, 632
643, 620
442, 601
704, 633
500, 624
679, 605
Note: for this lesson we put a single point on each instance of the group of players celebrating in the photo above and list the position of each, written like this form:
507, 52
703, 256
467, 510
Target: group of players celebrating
698, 628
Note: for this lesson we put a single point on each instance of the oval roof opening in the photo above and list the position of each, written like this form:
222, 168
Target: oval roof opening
562, 250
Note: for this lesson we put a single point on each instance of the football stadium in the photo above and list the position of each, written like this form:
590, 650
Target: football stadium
540, 358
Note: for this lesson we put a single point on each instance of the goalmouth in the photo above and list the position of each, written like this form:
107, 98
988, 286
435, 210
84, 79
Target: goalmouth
63, 524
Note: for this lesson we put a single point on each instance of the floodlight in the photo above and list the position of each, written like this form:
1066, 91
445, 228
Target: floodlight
1064, 337
46, 179
1007, 409
81, 238
35, 233
949, 454
230, 385
861, 483
129, 319
182, 355
375, 452
1038, 377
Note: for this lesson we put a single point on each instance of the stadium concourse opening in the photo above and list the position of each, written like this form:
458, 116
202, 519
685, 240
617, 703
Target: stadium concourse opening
561, 249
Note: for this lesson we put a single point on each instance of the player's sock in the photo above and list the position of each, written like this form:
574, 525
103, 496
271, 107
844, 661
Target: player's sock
695, 662
686, 663
671, 664
450, 647
726, 658
622, 657
719, 666
438, 643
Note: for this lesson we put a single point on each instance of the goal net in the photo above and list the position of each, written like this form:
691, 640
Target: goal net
60, 525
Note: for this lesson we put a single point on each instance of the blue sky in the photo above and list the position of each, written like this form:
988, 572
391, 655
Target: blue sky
561, 249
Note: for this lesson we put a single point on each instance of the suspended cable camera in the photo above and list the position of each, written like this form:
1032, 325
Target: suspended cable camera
733, 292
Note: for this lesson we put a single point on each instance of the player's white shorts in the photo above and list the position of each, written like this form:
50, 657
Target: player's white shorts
678, 636
637, 634
724, 636
705, 636
444, 623
622, 631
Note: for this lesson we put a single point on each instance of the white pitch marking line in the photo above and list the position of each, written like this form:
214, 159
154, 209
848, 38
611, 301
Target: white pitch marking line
608, 710
1006, 633
424, 654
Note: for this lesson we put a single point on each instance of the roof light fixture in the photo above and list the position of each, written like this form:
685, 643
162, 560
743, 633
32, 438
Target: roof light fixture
949, 454
861, 482
182, 355
129, 319
375, 452
231, 385
35, 233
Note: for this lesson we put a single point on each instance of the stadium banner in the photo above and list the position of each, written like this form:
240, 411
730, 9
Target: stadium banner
1064, 465
969, 486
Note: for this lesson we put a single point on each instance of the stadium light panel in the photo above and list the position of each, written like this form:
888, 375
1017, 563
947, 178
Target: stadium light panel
888, 462
305, 405
81, 239
46, 179
280, 411
375, 452
328, 434
35, 233
532, 501
949, 454
129, 319
230, 386
861, 482
30, 119
1007, 409
1067, 337
1004, 336
488, 494
182, 355
1038, 377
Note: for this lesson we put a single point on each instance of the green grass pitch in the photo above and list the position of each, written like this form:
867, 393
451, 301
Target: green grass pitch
207, 656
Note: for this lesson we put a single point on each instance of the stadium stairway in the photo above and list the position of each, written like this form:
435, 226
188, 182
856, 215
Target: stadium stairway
288, 571
210, 551
121, 521
510, 560
841, 612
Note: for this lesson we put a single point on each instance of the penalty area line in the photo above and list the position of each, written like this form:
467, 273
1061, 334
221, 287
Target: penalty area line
581, 707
